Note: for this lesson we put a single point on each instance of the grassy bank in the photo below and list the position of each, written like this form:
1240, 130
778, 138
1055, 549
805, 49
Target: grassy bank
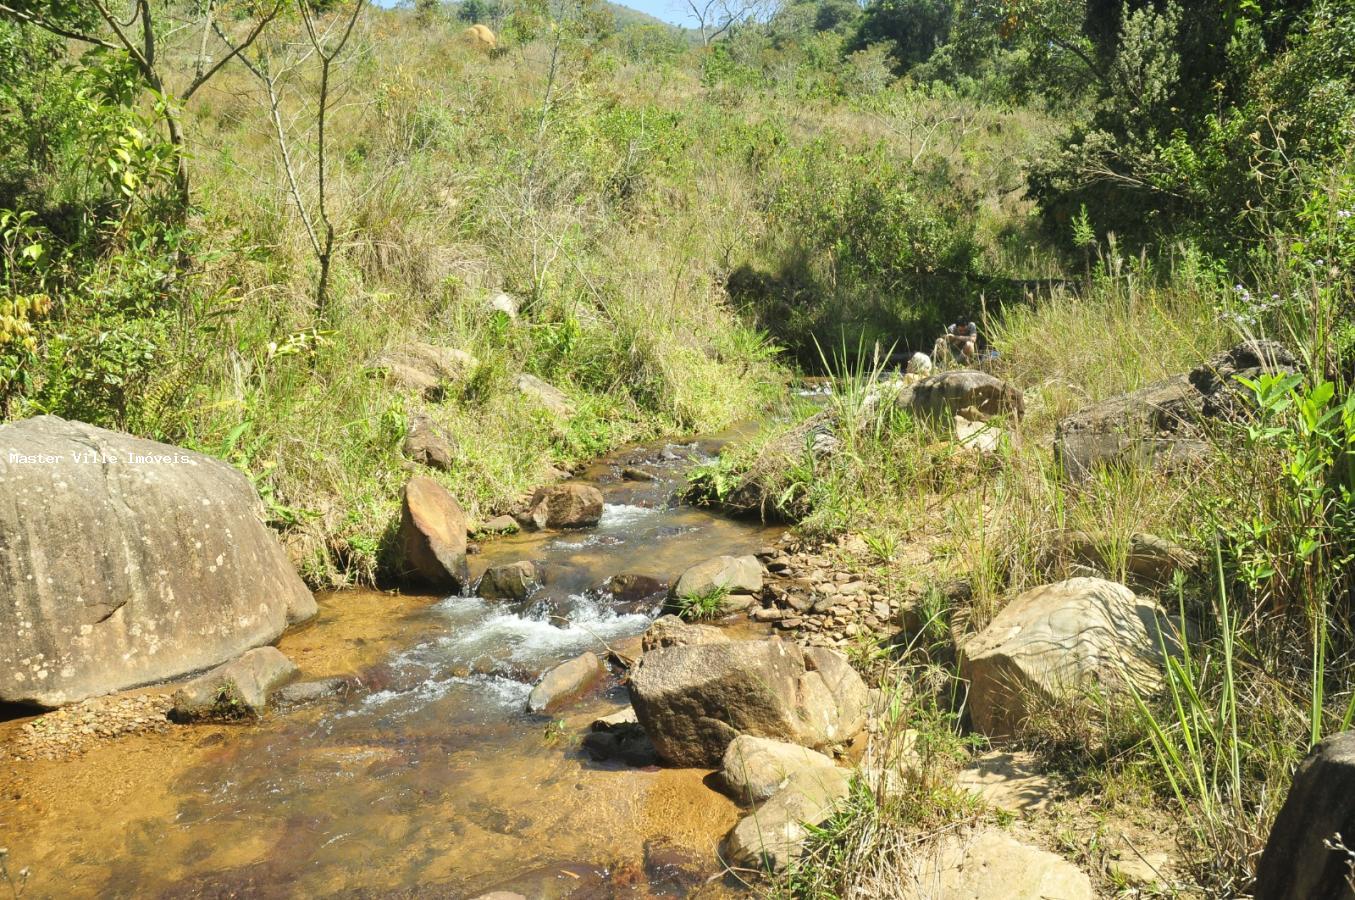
1265, 670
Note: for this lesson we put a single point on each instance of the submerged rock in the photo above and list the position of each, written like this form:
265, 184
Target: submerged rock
620, 737
565, 682
300, 693
125, 561
630, 587
572, 505
239, 689
693, 700
1056, 641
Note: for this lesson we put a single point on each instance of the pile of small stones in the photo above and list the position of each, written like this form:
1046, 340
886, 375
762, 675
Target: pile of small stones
73, 729
804, 595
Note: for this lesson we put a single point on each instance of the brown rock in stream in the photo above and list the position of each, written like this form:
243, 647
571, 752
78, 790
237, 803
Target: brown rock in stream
693, 700
432, 536
571, 505
565, 682
240, 689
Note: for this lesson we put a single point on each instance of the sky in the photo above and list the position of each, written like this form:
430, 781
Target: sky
671, 11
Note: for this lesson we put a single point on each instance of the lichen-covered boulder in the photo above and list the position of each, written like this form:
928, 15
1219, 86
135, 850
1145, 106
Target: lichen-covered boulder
125, 561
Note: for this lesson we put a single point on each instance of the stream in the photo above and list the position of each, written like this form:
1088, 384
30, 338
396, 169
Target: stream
429, 779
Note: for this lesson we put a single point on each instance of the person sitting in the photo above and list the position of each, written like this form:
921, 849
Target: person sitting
960, 342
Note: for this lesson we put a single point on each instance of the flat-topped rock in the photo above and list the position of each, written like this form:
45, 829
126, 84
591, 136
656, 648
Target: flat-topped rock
694, 699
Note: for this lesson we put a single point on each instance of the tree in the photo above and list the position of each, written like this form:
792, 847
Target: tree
134, 29
913, 29
715, 17
427, 11
326, 43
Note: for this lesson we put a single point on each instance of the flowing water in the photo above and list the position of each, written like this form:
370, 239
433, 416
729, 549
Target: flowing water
429, 780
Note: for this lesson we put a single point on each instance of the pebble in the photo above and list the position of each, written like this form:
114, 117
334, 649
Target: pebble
74, 729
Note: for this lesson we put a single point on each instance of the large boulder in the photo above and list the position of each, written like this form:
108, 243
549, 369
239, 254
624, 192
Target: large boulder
976, 394
694, 699
754, 769
571, 505
239, 689
1054, 642
432, 536
775, 833
990, 863
1297, 863
565, 682
125, 561
1167, 422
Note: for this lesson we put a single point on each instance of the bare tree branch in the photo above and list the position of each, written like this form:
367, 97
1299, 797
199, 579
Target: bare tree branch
235, 50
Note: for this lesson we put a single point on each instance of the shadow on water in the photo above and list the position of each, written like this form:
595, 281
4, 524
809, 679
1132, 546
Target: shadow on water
430, 780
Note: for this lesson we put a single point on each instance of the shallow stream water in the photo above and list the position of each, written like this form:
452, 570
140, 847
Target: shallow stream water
429, 780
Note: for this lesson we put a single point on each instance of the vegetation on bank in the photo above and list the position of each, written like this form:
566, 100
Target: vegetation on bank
1115, 190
